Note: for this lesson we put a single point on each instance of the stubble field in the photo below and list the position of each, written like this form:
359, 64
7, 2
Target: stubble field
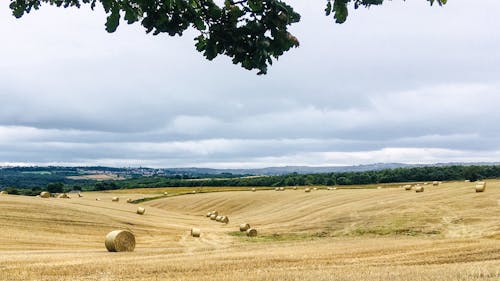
446, 233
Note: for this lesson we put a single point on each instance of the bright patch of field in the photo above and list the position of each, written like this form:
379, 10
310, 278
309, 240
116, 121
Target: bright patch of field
446, 233
97, 177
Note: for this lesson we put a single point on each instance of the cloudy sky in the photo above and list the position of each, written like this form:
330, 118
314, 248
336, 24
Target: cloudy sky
404, 82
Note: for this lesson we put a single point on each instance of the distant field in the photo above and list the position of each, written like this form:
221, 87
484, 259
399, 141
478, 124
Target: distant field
447, 233
38, 173
99, 177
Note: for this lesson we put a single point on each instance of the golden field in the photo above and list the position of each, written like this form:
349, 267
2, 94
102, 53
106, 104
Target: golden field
446, 233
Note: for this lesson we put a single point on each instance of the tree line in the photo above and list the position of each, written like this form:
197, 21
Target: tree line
402, 175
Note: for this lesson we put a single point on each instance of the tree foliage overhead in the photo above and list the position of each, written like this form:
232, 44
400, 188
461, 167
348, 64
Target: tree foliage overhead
252, 33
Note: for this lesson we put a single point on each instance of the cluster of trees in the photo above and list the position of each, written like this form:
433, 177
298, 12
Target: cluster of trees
36, 177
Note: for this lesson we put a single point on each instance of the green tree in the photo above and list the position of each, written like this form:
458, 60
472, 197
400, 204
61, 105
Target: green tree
472, 173
252, 33
55, 187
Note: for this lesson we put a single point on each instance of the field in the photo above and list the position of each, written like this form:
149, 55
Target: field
446, 233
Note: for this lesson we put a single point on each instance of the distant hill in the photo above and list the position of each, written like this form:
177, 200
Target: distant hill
315, 170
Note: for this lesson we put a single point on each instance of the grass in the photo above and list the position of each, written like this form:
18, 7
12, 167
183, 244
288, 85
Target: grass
447, 233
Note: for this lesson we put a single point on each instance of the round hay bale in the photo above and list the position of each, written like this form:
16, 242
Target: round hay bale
307, 190
193, 192
253, 189
426, 183
63, 195
224, 219
209, 214
213, 216
80, 195
215, 213
129, 200
276, 189
315, 188
282, 189
120, 241
251, 232
407, 187
98, 199
435, 183
218, 218
294, 188
195, 232
379, 187
466, 180
481, 187
165, 193
141, 210
244, 227
3, 192
419, 188
115, 199
45, 194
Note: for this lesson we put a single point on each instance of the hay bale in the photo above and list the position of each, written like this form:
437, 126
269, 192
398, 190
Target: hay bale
307, 190
218, 218
3, 192
193, 192
165, 193
213, 216
294, 188
63, 195
129, 200
244, 227
315, 188
466, 180
215, 213
282, 189
120, 241
115, 199
195, 232
209, 214
253, 189
98, 199
251, 232
80, 195
379, 187
435, 183
419, 188
426, 183
141, 210
276, 189
45, 194
224, 219
480, 187
407, 187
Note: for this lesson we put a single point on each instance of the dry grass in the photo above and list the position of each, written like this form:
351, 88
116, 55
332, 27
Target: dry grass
447, 233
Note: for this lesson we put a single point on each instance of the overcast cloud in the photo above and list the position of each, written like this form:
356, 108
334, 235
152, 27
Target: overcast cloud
404, 82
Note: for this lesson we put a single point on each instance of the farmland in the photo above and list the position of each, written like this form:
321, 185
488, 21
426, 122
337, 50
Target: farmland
448, 232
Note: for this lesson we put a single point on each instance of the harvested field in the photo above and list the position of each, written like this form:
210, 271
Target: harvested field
448, 232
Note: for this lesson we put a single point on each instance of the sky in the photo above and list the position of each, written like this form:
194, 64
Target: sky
403, 82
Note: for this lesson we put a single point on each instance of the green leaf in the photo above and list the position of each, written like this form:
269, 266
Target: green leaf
328, 9
113, 20
340, 8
